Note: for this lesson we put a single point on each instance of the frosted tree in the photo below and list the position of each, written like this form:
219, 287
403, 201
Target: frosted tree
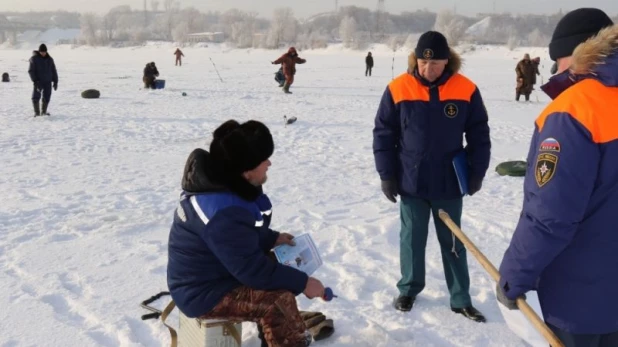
89, 27
451, 26
154, 4
192, 17
537, 39
411, 41
395, 42
283, 28
240, 27
181, 32
347, 31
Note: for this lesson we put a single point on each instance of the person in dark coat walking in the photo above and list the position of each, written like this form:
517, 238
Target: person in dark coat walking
150, 75
368, 64
419, 129
44, 76
526, 71
218, 263
179, 56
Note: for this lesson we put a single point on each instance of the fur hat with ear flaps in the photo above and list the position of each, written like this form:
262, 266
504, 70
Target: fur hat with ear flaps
237, 148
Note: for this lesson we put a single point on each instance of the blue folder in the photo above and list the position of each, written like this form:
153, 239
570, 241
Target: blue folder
460, 164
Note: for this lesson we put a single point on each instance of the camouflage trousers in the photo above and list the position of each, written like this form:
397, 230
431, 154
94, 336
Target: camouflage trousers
275, 311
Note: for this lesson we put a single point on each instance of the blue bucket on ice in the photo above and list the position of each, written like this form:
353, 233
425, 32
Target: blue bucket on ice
159, 84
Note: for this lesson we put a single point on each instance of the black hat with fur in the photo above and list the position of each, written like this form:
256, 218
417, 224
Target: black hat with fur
237, 148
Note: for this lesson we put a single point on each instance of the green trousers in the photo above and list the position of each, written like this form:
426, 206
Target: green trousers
414, 216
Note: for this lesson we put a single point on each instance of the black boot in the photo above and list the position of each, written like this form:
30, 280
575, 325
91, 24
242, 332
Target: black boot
37, 110
517, 96
527, 97
44, 110
404, 303
470, 313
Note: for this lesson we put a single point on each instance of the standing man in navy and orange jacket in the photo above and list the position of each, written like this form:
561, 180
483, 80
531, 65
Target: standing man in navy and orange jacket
566, 242
419, 129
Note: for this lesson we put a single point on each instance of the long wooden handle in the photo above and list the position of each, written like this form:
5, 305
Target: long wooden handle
523, 306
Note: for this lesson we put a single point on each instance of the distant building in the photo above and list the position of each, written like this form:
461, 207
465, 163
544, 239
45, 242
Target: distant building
217, 37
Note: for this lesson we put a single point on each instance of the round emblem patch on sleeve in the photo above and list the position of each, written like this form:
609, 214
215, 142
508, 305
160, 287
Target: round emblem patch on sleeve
545, 168
451, 110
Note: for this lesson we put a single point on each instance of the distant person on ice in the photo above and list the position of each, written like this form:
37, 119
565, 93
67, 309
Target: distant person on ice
218, 267
43, 74
179, 56
150, 75
419, 128
288, 62
368, 64
526, 77
565, 245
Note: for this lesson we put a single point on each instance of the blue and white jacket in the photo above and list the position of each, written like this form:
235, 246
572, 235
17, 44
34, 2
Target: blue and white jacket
219, 241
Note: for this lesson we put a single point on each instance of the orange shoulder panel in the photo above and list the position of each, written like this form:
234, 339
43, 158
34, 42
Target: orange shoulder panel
590, 103
458, 87
407, 88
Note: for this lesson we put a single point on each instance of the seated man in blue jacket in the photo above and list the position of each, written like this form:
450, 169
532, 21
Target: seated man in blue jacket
218, 267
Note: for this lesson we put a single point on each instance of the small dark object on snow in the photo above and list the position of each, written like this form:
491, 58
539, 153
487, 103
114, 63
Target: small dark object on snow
290, 120
515, 168
5, 77
184, 94
91, 94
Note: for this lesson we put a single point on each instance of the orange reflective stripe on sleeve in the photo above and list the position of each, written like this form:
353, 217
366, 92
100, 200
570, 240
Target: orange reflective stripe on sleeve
592, 104
407, 88
458, 87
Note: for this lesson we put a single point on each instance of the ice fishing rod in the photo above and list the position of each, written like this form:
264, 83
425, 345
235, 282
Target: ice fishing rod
213, 64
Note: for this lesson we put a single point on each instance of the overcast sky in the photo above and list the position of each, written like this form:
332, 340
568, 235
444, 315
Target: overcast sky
306, 8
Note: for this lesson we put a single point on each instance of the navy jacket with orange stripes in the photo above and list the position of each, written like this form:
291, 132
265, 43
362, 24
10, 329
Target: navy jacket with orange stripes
419, 129
566, 242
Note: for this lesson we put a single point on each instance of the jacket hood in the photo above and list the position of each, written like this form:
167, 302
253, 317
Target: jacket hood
595, 58
599, 57
454, 62
37, 54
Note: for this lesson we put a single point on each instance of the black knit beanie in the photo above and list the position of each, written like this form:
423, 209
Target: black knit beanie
574, 28
42, 48
236, 148
432, 45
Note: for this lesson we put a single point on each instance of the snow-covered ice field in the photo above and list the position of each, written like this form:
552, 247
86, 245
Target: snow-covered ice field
88, 193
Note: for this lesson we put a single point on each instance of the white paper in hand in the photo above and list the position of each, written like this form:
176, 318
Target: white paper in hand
520, 325
304, 255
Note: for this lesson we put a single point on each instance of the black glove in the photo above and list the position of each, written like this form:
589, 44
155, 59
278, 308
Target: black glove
508, 303
390, 190
474, 184
55, 85
37, 85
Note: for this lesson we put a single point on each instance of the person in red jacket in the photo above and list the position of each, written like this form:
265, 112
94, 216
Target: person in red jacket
288, 62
